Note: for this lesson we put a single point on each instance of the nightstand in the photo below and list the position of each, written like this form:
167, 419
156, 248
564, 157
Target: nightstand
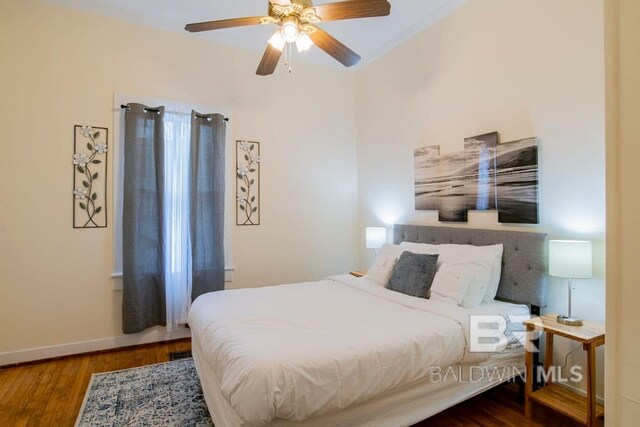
358, 273
580, 408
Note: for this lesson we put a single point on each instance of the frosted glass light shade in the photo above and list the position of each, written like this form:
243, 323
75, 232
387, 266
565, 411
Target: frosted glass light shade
571, 259
376, 237
277, 41
290, 31
303, 42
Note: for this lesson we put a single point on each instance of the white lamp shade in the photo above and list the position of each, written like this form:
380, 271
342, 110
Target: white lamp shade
376, 237
571, 259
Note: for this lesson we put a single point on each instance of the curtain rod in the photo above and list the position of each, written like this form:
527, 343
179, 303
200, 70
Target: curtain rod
155, 110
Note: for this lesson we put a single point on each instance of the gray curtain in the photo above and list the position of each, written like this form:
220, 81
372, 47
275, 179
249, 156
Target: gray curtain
207, 202
143, 303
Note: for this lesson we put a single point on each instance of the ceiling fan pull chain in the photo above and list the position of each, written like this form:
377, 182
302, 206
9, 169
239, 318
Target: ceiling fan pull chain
287, 56
290, 59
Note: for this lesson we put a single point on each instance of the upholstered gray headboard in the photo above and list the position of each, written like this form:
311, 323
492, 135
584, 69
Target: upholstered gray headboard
524, 262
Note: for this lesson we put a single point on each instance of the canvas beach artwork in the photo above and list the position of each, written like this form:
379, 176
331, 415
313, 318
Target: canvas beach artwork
479, 172
486, 175
425, 165
518, 182
438, 183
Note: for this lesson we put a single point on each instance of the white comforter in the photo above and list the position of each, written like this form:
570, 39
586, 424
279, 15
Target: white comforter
298, 351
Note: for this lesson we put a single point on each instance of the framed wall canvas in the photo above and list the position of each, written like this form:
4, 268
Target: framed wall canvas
90, 177
452, 191
479, 172
518, 182
487, 175
425, 170
247, 183
439, 184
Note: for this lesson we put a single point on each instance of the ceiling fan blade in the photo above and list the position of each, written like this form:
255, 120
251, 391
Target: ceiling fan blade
269, 61
225, 23
335, 48
353, 9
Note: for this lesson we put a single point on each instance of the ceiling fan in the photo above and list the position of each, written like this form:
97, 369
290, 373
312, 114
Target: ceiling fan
297, 20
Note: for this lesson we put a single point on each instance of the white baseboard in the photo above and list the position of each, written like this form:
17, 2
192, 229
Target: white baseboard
157, 334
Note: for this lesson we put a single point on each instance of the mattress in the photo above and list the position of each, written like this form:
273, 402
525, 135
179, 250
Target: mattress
403, 407
308, 352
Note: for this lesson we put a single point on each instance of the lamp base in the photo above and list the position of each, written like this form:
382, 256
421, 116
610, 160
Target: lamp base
570, 321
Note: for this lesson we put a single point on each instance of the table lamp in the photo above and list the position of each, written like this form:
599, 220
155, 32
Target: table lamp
376, 237
570, 259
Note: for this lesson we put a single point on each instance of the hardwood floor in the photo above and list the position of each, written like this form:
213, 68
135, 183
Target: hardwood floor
51, 393
498, 407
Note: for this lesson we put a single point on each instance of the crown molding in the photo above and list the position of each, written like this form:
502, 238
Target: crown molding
410, 32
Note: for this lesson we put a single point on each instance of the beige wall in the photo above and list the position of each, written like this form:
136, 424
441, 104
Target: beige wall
59, 68
623, 205
491, 65
524, 68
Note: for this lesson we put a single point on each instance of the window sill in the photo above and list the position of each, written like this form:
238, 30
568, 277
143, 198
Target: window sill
117, 278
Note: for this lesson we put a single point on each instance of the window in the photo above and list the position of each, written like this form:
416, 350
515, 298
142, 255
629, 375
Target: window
177, 129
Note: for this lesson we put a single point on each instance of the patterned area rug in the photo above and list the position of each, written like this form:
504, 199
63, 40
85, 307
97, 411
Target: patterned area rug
168, 394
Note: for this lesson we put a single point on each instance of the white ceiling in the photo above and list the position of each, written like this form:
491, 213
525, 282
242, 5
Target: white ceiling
370, 37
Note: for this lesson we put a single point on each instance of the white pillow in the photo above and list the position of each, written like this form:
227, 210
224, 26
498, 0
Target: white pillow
384, 264
496, 273
470, 252
450, 284
420, 248
477, 289
477, 263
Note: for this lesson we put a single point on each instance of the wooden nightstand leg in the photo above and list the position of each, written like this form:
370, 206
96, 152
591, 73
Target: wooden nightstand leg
591, 384
548, 356
528, 387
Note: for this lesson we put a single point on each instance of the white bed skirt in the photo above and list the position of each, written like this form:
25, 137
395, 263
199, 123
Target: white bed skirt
402, 407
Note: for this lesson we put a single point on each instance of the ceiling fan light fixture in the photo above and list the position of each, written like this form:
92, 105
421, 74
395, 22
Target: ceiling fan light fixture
290, 29
277, 41
303, 42
296, 20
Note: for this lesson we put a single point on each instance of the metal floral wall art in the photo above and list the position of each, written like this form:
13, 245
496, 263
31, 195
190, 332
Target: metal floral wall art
90, 177
247, 183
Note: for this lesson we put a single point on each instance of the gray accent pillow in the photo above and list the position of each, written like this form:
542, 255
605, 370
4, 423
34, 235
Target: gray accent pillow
413, 274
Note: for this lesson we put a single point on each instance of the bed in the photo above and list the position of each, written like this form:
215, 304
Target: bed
346, 352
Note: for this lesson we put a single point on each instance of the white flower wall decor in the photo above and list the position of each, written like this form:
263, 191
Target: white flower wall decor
90, 177
247, 183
